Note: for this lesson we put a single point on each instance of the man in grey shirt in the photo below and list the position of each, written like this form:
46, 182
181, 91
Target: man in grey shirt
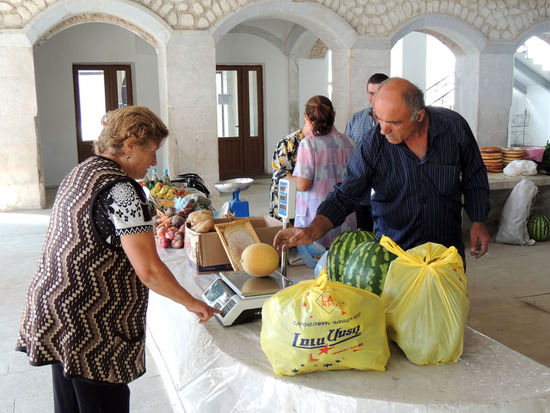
357, 127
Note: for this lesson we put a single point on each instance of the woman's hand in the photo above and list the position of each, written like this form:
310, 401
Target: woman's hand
201, 309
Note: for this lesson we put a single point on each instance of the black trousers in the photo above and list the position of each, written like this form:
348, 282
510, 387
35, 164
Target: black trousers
81, 396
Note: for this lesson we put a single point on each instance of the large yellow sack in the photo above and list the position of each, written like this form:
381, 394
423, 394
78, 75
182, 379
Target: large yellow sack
425, 302
324, 325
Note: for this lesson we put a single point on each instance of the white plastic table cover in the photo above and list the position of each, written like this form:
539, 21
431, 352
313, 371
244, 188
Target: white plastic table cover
211, 368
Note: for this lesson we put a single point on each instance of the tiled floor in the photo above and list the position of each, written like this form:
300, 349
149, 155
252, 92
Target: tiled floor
496, 282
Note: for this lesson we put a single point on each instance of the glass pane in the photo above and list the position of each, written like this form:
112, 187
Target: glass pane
228, 101
91, 87
253, 102
122, 93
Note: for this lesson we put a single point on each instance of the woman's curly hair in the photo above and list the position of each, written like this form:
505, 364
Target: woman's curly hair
120, 124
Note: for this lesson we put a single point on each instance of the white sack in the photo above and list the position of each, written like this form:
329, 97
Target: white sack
518, 168
512, 228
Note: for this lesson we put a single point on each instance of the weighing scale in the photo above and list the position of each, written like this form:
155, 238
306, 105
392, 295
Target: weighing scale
286, 210
238, 207
240, 296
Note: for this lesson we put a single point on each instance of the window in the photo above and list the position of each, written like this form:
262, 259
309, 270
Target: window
98, 89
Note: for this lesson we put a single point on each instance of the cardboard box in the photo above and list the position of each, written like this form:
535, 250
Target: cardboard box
205, 252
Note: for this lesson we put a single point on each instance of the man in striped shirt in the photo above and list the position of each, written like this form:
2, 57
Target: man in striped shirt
422, 163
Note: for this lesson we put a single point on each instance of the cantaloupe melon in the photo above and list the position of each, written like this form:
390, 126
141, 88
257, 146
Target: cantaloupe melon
259, 259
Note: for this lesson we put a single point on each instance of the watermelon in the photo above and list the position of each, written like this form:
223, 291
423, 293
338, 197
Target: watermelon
539, 227
367, 267
341, 248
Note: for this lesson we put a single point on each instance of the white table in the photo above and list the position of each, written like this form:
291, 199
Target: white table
211, 368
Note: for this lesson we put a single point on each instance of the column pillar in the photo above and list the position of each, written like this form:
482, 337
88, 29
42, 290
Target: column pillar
496, 81
294, 109
484, 91
187, 70
21, 177
351, 69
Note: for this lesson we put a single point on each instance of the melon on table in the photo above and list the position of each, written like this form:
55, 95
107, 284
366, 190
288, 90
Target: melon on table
259, 259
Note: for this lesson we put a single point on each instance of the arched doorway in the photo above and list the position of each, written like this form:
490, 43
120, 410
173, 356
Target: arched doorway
529, 114
291, 45
293, 67
429, 64
93, 44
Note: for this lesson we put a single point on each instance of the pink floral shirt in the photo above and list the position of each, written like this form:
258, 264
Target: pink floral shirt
322, 160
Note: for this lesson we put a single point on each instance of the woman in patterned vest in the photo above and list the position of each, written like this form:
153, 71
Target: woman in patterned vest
86, 305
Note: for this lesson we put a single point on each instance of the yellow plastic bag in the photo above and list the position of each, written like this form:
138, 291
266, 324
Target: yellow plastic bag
425, 302
324, 325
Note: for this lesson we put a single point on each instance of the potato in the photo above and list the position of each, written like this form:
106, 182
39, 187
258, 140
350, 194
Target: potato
199, 216
204, 226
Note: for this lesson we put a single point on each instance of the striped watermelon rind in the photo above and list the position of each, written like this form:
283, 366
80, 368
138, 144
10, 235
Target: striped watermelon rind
368, 266
539, 228
341, 248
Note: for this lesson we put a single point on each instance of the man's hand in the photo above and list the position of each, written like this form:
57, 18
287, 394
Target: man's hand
479, 239
292, 237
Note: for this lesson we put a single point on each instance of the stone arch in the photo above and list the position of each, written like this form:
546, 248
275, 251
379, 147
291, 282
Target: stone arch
139, 21
536, 30
457, 35
467, 44
61, 15
331, 28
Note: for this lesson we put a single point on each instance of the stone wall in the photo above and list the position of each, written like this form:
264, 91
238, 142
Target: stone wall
495, 19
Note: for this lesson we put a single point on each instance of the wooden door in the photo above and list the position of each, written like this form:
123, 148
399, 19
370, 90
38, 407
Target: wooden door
97, 90
240, 121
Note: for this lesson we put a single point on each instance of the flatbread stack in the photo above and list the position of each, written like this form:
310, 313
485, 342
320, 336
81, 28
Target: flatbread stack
492, 158
512, 154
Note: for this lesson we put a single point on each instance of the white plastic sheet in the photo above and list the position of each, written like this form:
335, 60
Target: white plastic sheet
211, 368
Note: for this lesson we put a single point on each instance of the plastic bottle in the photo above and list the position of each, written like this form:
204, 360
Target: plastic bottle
155, 178
148, 182
166, 178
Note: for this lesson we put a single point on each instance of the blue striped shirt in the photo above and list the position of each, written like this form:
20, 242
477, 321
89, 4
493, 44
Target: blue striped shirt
359, 124
357, 127
417, 201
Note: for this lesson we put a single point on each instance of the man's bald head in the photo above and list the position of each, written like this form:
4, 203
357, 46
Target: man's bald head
408, 94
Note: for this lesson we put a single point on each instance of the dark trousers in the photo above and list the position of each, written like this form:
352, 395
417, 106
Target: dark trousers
364, 217
81, 396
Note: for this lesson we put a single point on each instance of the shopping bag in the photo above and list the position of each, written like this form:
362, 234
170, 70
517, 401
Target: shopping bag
324, 325
426, 303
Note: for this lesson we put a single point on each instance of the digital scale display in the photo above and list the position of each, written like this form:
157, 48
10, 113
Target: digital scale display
219, 294
240, 296
287, 198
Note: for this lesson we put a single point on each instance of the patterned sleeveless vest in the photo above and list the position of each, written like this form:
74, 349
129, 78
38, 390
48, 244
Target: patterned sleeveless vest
85, 306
